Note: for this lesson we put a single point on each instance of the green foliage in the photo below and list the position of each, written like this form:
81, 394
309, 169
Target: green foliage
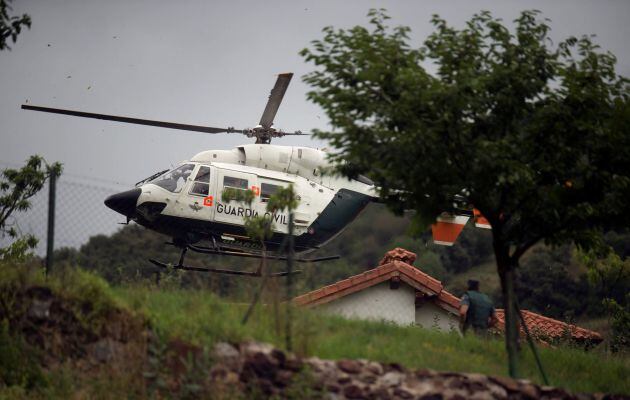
260, 227
17, 186
538, 136
19, 363
204, 319
546, 286
610, 275
10, 26
238, 195
284, 198
620, 314
611, 278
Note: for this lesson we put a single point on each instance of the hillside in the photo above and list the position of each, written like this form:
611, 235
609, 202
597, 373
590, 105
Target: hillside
552, 281
74, 334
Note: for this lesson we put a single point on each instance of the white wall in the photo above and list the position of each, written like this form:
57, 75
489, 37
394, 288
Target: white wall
431, 316
381, 303
378, 302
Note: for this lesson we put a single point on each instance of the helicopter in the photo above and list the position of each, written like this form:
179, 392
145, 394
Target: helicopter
185, 202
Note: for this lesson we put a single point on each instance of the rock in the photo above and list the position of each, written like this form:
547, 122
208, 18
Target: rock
39, 309
349, 366
374, 367
354, 392
279, 356
484, 395
226, 354
402, 393
104, 350
549, 392
343, 378
293, 363
432, 396
261, 364
251, 348
394, 367
367, 378
283, 378
381, 393
319, 365
334, 388
508, 383
390, 379
497, 391
529, 391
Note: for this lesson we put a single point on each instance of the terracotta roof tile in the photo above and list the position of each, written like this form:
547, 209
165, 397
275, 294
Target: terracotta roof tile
393, 264
545, 328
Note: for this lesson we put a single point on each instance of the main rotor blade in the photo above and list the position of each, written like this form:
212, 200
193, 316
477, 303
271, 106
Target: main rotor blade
161, 124
275, 98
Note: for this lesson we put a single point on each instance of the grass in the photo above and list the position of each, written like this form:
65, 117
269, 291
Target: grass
203, 319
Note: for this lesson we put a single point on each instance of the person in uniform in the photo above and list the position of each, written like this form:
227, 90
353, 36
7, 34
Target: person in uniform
476, 310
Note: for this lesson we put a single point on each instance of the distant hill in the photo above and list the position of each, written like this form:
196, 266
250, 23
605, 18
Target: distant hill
551, 281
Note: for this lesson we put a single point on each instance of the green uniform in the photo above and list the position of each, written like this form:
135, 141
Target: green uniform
480, 309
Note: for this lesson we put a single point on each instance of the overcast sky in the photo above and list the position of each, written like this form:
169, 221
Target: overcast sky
202, 62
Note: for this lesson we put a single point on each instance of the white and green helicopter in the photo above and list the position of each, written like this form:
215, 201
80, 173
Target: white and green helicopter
185, 203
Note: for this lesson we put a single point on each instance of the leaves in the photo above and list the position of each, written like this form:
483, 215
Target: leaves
10, 26
17, 186
260, 227
505, 116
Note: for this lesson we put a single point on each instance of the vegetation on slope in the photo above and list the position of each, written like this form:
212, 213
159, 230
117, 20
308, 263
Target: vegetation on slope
203, 319
85, 312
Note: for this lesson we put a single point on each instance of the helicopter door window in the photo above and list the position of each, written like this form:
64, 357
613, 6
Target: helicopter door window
267, 190
201, 186
235, 183
174, 180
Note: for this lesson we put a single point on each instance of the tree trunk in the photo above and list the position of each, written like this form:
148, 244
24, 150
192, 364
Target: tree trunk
507, 270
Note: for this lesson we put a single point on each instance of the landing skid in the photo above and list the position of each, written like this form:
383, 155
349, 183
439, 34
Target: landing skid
235, 253
256, 274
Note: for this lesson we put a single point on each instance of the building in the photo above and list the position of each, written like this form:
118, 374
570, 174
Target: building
400, 293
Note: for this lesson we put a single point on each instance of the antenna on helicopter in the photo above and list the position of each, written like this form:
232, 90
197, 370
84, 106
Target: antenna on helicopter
263, 133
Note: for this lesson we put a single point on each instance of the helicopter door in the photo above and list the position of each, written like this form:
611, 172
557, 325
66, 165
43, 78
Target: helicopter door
233, 212
198, 200
268, 188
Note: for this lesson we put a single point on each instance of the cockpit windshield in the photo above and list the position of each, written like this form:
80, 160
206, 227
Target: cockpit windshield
174, 180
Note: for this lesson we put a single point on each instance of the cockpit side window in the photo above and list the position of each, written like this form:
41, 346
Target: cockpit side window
201, 186
174, 180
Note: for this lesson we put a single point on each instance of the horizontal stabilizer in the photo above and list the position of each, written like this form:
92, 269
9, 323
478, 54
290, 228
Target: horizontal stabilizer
447, 228
480, 220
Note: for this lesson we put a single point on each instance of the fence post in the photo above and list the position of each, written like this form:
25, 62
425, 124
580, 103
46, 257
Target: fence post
51, 222
289, 320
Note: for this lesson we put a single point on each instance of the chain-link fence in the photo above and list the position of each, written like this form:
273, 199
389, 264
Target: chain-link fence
79, 211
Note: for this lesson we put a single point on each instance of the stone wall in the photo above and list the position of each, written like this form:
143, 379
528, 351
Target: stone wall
259, 370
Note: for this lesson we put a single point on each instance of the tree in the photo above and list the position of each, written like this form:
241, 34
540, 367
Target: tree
611, 277
17, 186
10, 26
537, 138
260, 228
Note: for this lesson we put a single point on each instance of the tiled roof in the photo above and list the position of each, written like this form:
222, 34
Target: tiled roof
545, 328
395, 265
391, 266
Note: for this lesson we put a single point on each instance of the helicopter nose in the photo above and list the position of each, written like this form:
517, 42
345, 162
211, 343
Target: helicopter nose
124, 202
